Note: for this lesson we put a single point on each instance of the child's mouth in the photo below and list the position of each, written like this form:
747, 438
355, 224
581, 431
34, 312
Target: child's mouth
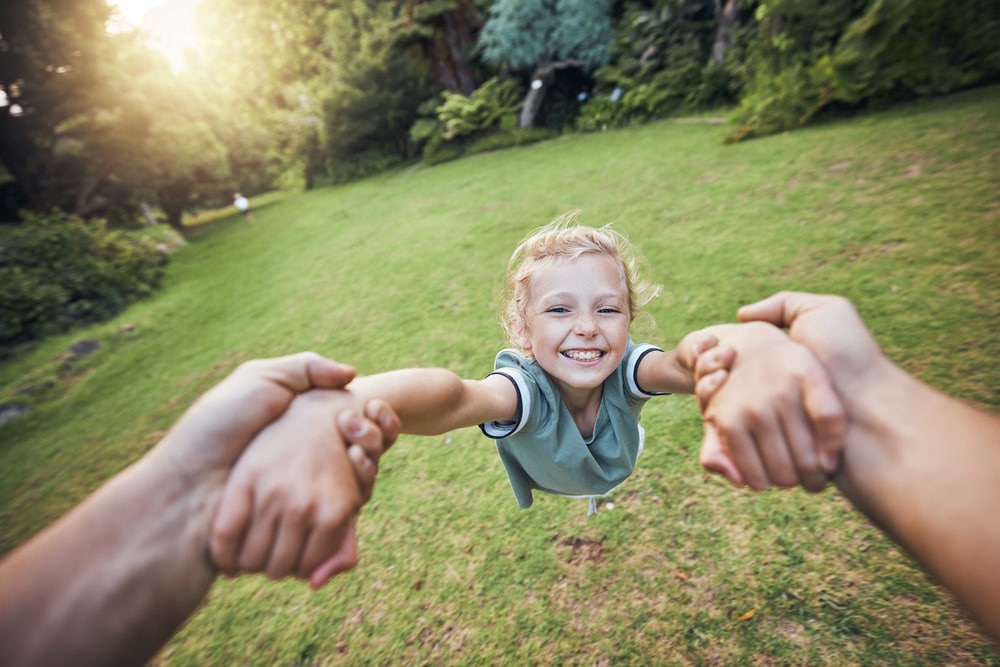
583, 355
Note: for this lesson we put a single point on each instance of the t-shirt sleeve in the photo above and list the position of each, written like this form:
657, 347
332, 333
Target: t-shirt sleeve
636, 354
508, 366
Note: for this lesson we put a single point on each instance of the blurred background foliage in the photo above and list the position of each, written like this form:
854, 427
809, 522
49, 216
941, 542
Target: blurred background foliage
298, 94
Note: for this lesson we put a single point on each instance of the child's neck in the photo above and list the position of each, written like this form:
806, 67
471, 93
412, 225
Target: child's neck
583, 406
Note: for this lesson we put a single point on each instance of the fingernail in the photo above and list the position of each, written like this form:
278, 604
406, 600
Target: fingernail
355, 427
357, 455
831, 462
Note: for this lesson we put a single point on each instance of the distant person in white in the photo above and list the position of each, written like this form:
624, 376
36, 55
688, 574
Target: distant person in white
242, 203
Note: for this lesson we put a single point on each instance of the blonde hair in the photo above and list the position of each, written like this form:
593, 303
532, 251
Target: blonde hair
564, 238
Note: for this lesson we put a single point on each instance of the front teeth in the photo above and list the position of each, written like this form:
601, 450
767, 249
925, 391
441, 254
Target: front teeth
584, 355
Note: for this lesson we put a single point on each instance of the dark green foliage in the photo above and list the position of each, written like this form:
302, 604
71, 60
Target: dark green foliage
442, 35
661, 64
59, 271
480, 112
369, 100
484, 121
808, 56
599, 114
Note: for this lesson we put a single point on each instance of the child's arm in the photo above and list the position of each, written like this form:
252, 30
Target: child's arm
431, 401
784, 423
284, 499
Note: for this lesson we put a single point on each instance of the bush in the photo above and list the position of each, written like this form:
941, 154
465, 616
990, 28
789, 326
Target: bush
659, 66
599, 114
363, 165
808, 55
458, 123
59, 271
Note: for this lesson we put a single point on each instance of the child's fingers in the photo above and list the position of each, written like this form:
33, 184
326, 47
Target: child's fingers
718, 358
701, 341
707, 386
230, 525
379, 412
345, 558
365, 471
714, 459
364, 446
359, 431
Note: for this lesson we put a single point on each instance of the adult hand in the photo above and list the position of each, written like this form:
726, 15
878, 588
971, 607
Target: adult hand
293, 497
830, 327
213, 432
777, 420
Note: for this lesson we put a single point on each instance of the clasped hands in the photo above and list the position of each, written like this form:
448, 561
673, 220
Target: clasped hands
296, 471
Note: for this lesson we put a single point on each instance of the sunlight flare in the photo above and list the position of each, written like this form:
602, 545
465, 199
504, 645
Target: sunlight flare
167, 24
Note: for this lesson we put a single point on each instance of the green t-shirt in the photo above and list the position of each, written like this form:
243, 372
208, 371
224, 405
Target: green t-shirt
543, 448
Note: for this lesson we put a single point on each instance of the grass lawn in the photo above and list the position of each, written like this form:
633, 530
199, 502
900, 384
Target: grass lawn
898, 210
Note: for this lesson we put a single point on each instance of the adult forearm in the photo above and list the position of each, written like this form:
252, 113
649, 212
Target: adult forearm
925, 467
113, 580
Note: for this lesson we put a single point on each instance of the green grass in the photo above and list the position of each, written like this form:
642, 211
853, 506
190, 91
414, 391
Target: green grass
899, 211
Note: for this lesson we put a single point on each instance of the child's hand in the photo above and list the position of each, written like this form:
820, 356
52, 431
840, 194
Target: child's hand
776, 420
293, 496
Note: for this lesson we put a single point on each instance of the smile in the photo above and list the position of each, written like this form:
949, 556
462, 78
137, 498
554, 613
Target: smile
583, 355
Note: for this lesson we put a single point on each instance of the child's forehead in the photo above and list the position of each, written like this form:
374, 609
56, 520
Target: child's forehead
570, 272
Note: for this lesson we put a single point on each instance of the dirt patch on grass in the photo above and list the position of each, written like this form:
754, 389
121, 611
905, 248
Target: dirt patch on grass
578, 551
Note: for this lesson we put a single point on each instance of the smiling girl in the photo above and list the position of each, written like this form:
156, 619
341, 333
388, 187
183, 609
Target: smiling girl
563, 403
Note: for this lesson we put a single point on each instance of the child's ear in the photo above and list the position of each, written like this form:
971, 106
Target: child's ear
524, 340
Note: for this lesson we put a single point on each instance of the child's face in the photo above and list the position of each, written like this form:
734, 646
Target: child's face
577, 319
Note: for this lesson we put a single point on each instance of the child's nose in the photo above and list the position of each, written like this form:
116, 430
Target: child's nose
586, 324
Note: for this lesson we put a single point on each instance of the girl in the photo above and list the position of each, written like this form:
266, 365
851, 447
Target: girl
563, 403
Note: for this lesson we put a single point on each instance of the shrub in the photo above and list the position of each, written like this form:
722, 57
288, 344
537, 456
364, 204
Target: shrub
808, 55
453, 123
480, 112
599, 114
59, 271
661, 65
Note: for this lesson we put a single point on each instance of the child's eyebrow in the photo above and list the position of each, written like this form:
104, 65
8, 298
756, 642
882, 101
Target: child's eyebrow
572, 296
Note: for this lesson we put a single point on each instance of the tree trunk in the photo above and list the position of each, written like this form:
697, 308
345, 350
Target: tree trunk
86, 200
173, 200
174, 215
726, 18
147, 212
544, 73
457, 38
447, 51
532, 103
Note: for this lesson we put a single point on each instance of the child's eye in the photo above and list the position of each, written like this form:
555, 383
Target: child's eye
608, 311
557, 309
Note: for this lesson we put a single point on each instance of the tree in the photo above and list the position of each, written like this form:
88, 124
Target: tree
67, 109
186, 163
662, 63
445, 32
726, 16
320, 77
546, 36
